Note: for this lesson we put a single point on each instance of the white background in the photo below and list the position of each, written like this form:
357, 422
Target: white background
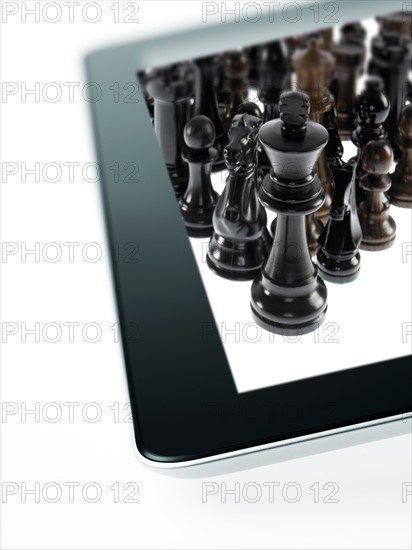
43, 448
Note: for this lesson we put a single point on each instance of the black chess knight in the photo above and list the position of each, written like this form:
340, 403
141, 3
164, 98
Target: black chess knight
289, 297
338, 256
240, 241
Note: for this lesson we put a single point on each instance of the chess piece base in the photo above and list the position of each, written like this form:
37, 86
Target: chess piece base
400, 193
339, 270
198, 221
237, 261
296, 313
376, 246
376, 234
199, 232
401, 203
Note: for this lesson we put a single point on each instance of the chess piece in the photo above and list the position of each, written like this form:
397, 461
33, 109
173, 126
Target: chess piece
313, 68
249, 108
206, 101
349, 60
199, 200
353, 33
274, 71
240, 241
334, 147
235, 70
399, 22
338, 257
327, 38
253, 76
400, 193
172, 91
289, 297
391, 60
378, 228
372, 108
144, 78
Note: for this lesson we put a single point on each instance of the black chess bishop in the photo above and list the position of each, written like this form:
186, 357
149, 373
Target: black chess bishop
338, 257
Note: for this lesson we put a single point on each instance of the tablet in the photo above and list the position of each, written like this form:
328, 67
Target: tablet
206, 381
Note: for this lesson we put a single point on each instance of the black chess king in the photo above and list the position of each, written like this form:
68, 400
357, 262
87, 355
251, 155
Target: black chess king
289, 297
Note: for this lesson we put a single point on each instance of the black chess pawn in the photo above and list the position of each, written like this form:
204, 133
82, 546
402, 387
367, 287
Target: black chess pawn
199, 200
289, 297
235, 70
206, 101
338, 257
400, 192
378, 228
391, 60
372, 109
172, 91
249, 108
240, 241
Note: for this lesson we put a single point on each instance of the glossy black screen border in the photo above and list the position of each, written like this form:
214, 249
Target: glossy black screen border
184, 401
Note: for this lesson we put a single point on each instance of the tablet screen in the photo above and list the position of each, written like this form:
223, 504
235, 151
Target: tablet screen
369, 318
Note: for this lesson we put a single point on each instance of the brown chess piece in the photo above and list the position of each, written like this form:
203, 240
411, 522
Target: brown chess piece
313, 67
235, 69
399, 22
349, 58
378, 228
400, 192
391, 54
